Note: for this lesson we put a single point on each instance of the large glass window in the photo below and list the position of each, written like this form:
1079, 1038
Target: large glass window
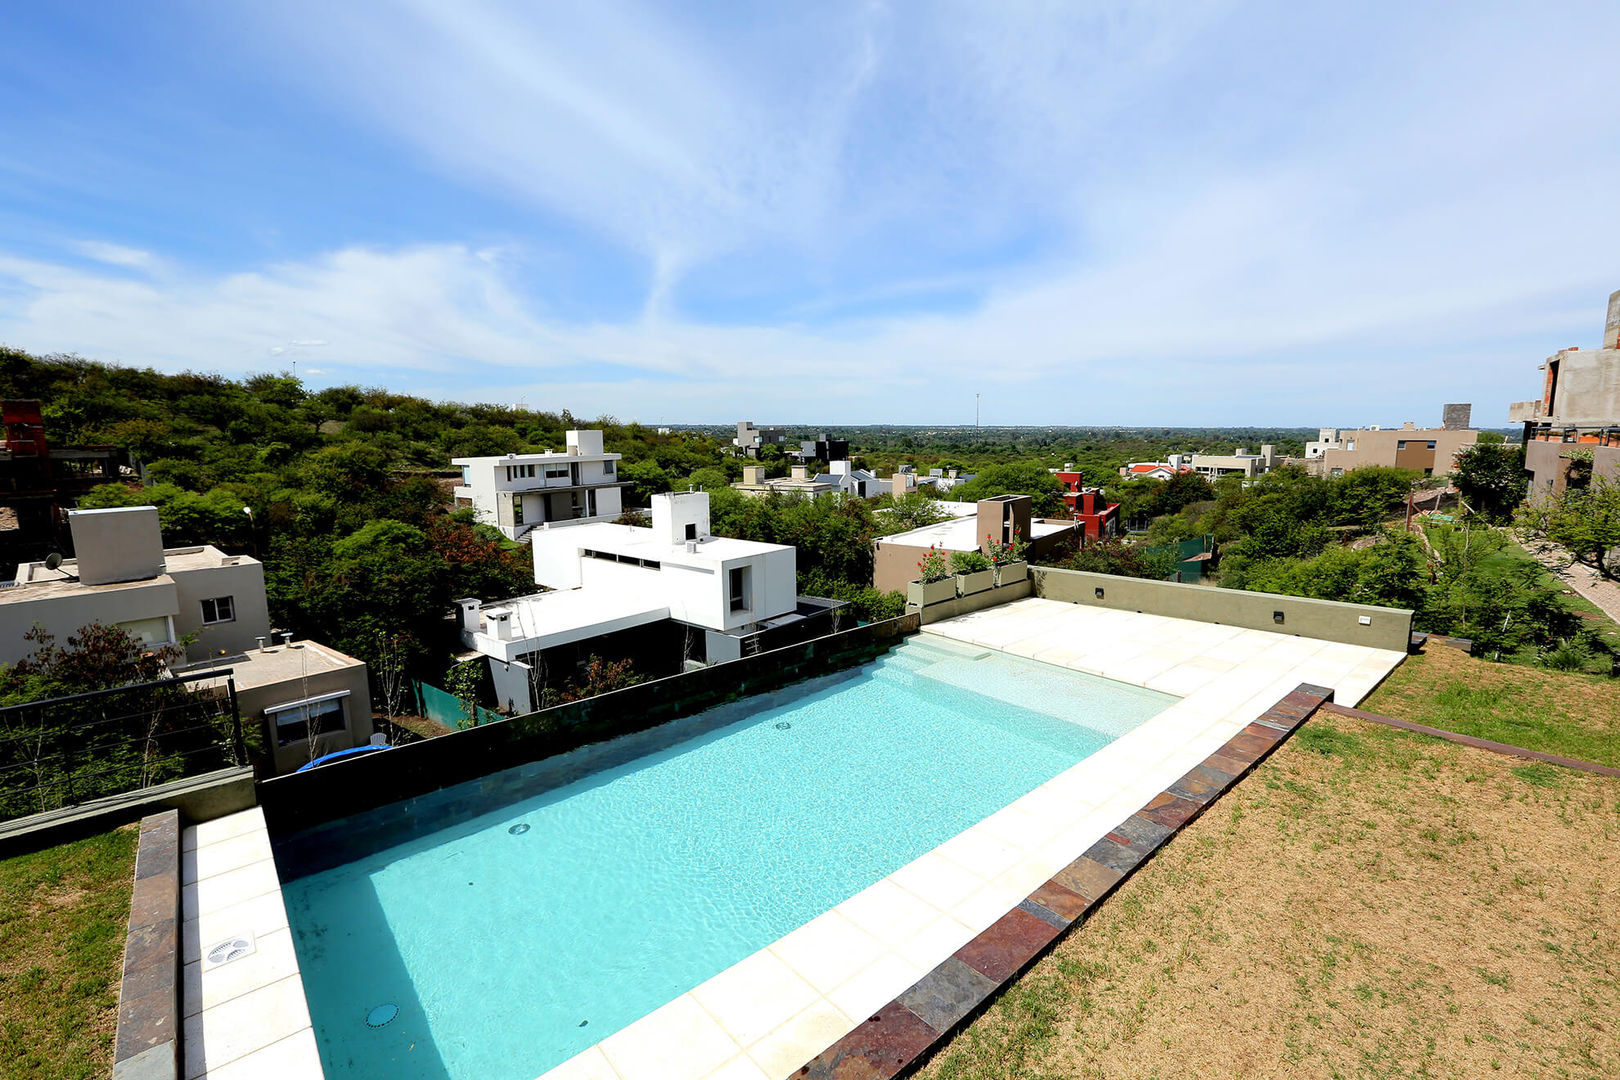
739, 588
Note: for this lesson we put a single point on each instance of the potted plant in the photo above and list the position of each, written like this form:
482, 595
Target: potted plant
933, 582
973, 572
1007, 558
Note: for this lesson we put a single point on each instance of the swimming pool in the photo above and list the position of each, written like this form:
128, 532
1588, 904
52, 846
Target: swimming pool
500, 946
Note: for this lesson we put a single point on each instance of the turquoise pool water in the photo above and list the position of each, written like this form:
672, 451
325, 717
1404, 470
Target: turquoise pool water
508, 950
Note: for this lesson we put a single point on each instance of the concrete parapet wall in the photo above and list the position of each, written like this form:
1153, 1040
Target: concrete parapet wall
1385, 628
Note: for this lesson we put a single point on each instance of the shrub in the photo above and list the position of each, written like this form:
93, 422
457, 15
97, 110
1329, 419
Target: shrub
967, 562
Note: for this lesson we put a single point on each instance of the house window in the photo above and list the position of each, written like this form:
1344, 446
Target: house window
219, 609
1336, 472
607, 468
560, 473
293, 723
739, 588
1430, 444
1400, 444
1352, 445
691, 531
155, 631
517, 510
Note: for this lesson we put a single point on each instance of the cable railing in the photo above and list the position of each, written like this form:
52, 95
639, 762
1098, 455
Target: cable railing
60, 752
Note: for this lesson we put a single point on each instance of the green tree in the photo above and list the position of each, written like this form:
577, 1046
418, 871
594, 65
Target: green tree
1018, 478
1491, 478
1111, 555
1583, 521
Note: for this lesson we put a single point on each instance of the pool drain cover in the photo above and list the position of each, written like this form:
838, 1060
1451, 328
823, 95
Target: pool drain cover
519, 829
783, 725
233, 948
382, 1015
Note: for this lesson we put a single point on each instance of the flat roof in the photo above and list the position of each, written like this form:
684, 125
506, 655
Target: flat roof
566, 615
644, 543
282, 663
961, 534
35, 581
534, 459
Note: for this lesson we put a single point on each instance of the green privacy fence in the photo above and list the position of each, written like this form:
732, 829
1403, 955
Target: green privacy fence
445, 708
1191, 555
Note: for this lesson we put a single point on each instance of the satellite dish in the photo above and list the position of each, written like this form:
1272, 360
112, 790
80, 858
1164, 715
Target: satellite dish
53, 561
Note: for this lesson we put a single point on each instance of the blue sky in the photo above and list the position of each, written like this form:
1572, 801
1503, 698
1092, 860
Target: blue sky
1184, 213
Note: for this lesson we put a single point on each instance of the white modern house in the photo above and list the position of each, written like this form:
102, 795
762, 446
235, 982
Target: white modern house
212, 604
726, 597
518, 493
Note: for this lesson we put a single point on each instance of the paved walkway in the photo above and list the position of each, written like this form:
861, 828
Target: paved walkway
1583, 579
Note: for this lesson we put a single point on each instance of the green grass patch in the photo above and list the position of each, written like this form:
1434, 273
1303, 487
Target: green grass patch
1566, 713
63, 914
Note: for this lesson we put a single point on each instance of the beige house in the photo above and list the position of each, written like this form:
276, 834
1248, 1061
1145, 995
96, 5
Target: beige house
1430, 451
123, 576
293, 690
756, 484
1242, 463
1572, 432
896, 556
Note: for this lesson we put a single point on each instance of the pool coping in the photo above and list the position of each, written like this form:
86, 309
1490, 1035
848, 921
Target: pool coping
904, 1032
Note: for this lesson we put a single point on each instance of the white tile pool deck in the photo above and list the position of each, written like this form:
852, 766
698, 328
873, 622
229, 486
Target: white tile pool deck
764, 1017
767, 1015
247, 1019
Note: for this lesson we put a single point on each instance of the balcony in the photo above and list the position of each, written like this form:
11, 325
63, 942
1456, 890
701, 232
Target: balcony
1521, 411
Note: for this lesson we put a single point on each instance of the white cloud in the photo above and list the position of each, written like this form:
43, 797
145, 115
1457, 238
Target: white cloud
114, 254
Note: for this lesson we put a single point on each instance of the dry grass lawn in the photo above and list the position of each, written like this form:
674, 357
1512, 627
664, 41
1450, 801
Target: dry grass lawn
1368, 903
1555, 712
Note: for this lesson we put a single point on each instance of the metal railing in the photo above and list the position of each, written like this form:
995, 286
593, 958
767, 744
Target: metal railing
59, 752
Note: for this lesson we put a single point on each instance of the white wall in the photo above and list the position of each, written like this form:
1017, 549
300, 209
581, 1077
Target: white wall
673, 511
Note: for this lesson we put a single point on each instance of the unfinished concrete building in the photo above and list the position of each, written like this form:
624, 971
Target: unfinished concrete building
1572, 432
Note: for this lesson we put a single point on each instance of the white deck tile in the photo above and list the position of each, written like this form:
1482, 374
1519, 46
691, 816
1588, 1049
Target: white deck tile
679, 1039
589, 1064
803, 1037
876, 985
294, 1058
827, 950
933, 876
235, 1028
231, 887
258, 916
210, 858
271, 960
741, 1067
224, 828
934, 941
887, 912
755, 996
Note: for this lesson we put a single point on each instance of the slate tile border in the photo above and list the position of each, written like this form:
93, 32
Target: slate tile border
896, 1038
147, 1046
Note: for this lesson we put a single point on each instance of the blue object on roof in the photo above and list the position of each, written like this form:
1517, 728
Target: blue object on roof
327, 759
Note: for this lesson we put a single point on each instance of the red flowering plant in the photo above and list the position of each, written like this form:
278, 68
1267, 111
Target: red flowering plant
932, 566
1001, 553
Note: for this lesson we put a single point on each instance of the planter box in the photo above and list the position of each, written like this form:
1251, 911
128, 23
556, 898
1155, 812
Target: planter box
976, 582
1012, 573
922, 593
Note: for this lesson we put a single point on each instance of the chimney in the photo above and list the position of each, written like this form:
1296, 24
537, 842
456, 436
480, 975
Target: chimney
1611, 328
1409, 426
801, 472
754, 474
1456, 417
